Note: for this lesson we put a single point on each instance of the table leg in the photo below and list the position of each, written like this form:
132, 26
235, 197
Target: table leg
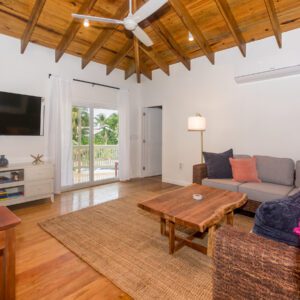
171, 237
211, 240
1, 276
163, 226
9, 264
229, 218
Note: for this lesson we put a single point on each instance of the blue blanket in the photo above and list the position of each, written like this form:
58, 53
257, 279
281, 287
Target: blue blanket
277, 219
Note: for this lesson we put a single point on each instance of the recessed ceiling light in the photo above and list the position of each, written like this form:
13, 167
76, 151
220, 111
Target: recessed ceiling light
86, 23
191, 38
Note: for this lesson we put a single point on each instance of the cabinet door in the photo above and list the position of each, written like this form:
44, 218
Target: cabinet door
40, 188
39, 172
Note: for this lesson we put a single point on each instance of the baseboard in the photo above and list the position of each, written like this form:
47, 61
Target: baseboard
176, 181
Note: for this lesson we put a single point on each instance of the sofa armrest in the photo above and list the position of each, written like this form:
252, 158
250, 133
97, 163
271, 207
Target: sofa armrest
248, 266
199, 173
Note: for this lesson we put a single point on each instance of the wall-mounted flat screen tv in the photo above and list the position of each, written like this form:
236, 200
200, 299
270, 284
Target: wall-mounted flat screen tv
21, 114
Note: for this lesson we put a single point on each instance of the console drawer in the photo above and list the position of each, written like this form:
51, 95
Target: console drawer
43, 187
39, 172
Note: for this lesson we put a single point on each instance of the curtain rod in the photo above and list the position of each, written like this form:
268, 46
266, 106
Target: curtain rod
93, 83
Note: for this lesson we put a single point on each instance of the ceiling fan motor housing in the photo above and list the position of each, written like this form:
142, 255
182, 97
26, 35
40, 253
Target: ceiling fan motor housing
130, 24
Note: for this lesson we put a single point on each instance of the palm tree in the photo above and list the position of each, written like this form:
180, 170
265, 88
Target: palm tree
104, 128
80, 125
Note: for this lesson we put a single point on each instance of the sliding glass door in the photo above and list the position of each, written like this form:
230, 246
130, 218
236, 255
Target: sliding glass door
95, 145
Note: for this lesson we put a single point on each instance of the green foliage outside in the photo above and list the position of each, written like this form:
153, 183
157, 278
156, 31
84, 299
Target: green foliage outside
105, 128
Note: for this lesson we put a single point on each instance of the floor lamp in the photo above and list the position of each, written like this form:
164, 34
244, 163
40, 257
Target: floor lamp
197, 123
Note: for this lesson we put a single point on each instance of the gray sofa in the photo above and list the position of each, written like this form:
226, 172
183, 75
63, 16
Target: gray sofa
280, 177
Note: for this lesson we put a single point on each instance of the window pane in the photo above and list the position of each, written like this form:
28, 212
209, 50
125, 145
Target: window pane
106, 144
81, 146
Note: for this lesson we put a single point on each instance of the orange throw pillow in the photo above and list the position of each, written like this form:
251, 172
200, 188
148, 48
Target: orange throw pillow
244, 170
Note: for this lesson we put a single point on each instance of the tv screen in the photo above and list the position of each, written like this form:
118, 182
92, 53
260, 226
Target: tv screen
20, 114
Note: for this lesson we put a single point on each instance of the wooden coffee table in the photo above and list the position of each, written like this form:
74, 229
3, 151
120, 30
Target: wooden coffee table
179, 208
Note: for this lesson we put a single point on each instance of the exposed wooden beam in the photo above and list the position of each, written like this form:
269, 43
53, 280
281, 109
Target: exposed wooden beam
167, 38
103, 37
192, 26
170, 42
137, 59
136, 48
156, 58
274, 21
130, 70
232, 25
119, 57
146, 71
35, 14
72, 30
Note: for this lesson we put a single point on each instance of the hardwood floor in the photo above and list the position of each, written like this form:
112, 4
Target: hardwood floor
45, 268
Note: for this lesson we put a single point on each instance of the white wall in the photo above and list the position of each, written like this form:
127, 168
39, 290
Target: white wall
255, 118
28, 74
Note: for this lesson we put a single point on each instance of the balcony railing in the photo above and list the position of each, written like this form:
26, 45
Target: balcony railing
105, 162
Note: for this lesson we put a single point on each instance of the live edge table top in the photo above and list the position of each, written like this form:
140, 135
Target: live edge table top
179, 206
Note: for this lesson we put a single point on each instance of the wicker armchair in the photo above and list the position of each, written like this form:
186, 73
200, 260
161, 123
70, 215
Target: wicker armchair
248, 266
200, 172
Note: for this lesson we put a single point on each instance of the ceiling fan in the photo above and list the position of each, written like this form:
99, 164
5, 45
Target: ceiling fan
132, 20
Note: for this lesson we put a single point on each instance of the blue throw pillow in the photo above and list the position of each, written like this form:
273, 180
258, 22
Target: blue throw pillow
218, 165
277, 219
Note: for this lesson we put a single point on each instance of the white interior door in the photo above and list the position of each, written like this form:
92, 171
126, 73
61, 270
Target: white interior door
152, 141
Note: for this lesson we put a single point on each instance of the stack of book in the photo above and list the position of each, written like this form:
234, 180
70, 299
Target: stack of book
10, 193
3, 195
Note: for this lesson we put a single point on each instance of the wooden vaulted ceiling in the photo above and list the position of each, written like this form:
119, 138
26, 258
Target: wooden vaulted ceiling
214, 24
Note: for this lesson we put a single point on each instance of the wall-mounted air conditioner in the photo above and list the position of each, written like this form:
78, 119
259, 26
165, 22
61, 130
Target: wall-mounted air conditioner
269, 74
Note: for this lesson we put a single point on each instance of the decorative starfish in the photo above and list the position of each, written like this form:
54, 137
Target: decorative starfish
37, 159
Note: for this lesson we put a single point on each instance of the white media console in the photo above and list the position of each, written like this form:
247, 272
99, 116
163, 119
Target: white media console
20, 183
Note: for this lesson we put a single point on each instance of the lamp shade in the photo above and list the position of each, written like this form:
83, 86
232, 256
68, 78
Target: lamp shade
196, 123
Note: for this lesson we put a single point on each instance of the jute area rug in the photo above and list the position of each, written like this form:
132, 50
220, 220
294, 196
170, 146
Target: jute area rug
123, 243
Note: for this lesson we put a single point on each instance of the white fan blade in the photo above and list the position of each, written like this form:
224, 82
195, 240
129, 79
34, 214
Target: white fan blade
97, 19
148, 9
142, 36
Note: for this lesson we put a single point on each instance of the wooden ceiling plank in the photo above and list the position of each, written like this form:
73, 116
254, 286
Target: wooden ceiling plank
72, 30
169, 41
130, 70
232, 25
137, 59
119, 57
156, 59
192, 26
103, 37
33, 19
274, 21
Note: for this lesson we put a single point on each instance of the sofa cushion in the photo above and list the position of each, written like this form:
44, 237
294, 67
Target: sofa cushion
275, 170
225, 184
277, 219
263, 192
294, 191
218, 165
297, 182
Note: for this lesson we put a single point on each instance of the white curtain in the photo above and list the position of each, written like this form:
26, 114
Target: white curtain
60, 131
124, 135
